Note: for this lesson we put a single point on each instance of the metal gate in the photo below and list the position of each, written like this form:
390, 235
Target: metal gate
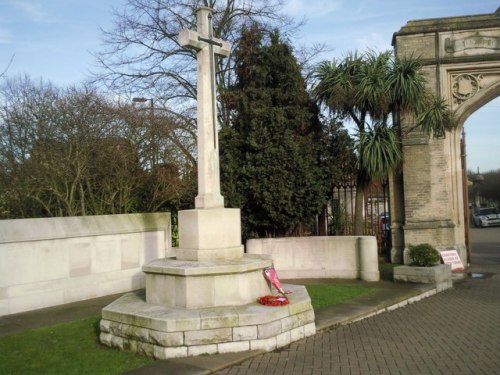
376, 219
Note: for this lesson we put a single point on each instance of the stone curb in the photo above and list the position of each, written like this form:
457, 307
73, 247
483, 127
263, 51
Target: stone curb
357, 311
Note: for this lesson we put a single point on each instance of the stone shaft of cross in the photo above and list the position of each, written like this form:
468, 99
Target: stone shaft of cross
207, 48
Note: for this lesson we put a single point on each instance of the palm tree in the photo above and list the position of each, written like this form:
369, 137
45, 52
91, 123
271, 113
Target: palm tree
373, 90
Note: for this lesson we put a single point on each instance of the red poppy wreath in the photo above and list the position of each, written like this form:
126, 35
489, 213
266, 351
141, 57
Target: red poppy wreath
273, 300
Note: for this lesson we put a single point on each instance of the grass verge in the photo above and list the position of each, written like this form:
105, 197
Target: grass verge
324, 295
69, 348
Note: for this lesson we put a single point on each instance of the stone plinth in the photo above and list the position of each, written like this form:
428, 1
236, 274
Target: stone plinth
197, 284
131, 323
210, 234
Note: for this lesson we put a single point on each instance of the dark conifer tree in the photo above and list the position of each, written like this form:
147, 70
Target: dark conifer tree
270, 162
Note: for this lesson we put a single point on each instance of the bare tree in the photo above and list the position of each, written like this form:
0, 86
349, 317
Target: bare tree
143, 58
143, 55
76, 152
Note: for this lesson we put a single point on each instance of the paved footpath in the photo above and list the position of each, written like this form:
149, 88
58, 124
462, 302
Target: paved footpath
453, 332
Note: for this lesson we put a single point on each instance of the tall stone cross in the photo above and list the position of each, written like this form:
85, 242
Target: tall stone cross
207, 48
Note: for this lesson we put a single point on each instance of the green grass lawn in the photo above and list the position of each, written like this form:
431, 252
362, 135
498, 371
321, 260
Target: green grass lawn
324, 295
70, 348
73, 348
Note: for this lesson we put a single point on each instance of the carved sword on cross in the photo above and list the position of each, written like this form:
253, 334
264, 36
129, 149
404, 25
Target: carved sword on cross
207, 47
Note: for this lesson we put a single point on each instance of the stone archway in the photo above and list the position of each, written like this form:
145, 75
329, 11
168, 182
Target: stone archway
461, 56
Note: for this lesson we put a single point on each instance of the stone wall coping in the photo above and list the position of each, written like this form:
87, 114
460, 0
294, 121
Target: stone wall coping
443, 24
39, 229
307, 239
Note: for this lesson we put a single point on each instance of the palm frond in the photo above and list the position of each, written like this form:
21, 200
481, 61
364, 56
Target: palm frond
373, 90
434, 117
380, 150
407, 82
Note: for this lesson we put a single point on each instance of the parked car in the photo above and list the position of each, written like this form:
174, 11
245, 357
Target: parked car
486, 217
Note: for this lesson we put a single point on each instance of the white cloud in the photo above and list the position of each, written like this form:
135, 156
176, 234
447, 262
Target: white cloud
33, 9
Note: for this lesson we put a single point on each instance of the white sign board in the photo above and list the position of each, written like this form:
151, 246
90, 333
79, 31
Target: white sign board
451, 257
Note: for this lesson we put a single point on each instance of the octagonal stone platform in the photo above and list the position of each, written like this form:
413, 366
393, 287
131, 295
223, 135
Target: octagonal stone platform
210, 283
159, 331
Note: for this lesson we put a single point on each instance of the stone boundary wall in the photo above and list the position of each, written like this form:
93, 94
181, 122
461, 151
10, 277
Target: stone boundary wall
52, 261
342, 257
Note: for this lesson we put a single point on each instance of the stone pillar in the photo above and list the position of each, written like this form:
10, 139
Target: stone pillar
368, 258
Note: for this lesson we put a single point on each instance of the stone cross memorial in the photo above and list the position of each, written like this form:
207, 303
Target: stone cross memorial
203, 300
210, 231
207, 48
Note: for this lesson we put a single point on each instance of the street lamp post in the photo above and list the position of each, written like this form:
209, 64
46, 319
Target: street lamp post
143, 100
153, 142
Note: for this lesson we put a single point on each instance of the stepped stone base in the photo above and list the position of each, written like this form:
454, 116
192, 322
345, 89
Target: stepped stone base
131, 323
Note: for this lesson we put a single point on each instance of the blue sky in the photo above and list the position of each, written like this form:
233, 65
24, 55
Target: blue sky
52, 39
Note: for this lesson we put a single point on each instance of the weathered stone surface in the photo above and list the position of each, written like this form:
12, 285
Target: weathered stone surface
297, 334
268, 344
283, 339
166, 338
132, 332
208, 336
202, 350
175, 332
112, 340
143, 348
254, 314
171, 352
181, 320
289, 323
244, 333
104, 325
309, 329
231, 347
306, 316
267, 330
